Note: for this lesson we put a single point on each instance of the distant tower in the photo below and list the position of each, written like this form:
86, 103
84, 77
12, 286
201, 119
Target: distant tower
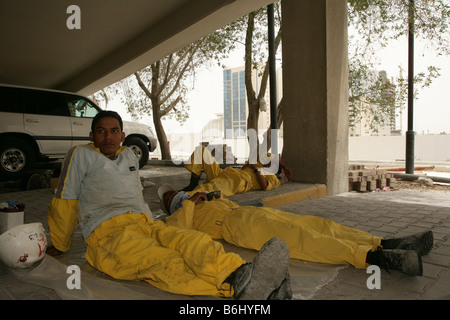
235, 109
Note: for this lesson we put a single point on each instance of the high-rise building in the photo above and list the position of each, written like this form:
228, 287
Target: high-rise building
235, 108
362, 111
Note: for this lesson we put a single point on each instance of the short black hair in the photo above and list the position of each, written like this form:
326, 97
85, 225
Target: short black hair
106, 114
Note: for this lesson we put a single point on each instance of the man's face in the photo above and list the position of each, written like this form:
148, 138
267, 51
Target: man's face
107, 136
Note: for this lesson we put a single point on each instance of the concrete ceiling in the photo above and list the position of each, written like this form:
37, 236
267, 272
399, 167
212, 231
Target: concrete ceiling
116, 37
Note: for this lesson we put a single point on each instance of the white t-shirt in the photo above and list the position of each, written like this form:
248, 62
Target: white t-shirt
104, 187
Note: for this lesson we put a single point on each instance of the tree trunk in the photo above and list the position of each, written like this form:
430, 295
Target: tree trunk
154, 97
253, 104
268, 134
161, 134
254, 100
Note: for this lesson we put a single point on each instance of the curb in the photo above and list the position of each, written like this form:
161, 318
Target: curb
312, 192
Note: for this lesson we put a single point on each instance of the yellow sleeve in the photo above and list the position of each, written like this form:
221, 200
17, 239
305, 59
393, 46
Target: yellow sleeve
272, 181
62, 220
183, 217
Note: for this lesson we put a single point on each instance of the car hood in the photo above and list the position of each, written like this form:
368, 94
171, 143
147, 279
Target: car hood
136, 127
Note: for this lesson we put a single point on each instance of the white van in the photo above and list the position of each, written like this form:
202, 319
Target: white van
40, 124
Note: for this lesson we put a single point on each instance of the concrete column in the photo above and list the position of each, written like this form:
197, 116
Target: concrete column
315, 91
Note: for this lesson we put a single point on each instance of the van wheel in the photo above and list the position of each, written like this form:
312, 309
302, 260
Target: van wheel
16, 158
140, 148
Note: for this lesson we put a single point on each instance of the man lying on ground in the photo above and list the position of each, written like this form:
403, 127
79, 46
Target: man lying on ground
307, 237
231, 180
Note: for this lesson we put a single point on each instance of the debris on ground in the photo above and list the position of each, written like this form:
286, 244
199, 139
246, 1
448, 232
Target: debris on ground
416, 185
362, 179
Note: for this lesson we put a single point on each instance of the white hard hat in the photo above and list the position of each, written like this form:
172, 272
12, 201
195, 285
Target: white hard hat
23, 245
162, 190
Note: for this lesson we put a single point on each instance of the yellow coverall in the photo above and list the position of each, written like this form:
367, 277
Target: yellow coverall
308, 238
130, 245
230, 180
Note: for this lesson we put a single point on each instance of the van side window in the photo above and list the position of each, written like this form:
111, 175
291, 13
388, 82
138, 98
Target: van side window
8, 100
81, 107
44, 102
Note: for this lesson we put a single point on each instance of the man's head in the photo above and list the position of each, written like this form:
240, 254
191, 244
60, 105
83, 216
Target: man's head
107, 132
170, 200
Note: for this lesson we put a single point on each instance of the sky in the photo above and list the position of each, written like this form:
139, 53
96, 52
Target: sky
431, 109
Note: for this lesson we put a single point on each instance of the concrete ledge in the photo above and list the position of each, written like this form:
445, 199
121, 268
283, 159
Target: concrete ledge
286, 193
312, 192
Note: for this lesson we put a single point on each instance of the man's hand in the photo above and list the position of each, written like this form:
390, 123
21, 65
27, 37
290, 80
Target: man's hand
52, 251
198, 197
287, 172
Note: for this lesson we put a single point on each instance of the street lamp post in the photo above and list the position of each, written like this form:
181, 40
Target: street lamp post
409, 166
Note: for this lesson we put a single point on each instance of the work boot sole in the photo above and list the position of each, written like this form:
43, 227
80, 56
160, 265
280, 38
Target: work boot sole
423, 243
413, 265
268, 270
283, 292
406, 261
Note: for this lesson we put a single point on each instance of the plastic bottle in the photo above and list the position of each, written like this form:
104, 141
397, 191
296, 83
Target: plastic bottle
12, 204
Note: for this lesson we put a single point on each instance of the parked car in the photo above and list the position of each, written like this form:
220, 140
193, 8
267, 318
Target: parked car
40, 124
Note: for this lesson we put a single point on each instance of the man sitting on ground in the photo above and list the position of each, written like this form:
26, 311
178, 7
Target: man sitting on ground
100, 191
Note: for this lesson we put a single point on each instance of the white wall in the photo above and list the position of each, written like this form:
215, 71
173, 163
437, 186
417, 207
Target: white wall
426, 148
182, 145
371, 148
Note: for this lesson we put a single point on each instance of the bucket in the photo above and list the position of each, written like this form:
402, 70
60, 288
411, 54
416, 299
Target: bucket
11, 216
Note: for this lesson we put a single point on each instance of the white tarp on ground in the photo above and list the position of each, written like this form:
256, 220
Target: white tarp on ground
306, 277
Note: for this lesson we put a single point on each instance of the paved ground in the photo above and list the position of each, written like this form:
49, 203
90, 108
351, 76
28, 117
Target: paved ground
387, 214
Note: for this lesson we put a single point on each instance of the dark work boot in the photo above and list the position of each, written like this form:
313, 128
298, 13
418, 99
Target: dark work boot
283, 292
267, 273
406, 261
421, 242
192, 184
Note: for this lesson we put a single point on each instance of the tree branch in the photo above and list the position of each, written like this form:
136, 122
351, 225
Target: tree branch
142, 85
171, 106
179, 76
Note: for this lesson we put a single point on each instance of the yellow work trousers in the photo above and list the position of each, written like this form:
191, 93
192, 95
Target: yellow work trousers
308, 238
202, 159
188, 262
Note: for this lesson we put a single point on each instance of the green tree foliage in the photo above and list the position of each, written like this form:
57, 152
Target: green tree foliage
162, 87
376, 23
